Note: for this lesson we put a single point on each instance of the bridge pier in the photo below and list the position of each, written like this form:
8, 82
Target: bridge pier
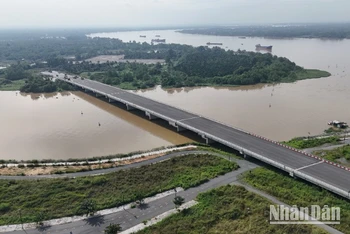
180, 129
207, 140
111, 100
150, 116
173, 124
128, 107
98, 95
243, 153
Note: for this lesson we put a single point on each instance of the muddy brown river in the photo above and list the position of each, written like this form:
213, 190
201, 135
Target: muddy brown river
52, 126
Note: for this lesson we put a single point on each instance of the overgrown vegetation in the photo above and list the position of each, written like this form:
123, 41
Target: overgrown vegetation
63, 197
44, 85
299, 193
228, 209
333, 130
185, 65
339, 155
8, 85
26, 78
304, 143
199, 67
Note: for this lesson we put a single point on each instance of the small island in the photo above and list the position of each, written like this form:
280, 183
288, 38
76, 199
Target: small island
143, 65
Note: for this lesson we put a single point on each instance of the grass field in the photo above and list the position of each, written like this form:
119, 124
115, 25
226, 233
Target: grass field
300, 193
301, 143
13, 86
226, 210
339, 155
62, 197
311, 73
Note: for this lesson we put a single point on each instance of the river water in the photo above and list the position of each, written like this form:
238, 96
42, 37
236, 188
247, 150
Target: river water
52, 126
278, 112
66, 125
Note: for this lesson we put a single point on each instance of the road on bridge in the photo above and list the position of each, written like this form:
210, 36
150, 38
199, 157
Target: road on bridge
297, 163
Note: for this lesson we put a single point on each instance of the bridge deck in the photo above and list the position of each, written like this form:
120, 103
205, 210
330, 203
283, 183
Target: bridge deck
150, 104
325, 174
330, 174
268, 149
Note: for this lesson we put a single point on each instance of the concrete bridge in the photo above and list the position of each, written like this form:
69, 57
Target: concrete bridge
298, 164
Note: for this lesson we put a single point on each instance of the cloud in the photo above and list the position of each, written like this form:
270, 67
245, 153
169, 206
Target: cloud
73, 13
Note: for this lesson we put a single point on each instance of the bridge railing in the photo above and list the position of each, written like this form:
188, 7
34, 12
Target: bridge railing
271, 162
230, 144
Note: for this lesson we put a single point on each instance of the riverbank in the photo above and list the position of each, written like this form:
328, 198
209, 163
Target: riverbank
333, 31
307, 74
59, 168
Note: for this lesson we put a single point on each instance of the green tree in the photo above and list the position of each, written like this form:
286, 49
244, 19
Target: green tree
39, 218
178, 201
16, 72
139, 197
113, 229
88, 207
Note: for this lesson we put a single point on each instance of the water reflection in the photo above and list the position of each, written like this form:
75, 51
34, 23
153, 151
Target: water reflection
36, 96
189, 89
42, 126
157, 128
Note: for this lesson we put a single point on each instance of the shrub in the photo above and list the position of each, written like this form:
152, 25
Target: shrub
4, 207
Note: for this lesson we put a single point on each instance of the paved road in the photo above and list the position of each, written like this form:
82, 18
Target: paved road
109, 170
278, 202
132, 217
327, 147
291, 160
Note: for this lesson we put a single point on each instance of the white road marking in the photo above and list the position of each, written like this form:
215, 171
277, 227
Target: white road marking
309, 165
189, 118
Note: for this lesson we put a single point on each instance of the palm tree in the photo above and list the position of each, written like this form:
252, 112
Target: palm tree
88, 207
39, 218
178, 201
113, 228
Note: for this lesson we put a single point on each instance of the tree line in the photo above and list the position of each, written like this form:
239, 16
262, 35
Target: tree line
185, 65
330, 30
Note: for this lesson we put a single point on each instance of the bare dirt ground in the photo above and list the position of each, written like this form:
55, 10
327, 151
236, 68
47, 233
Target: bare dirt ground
46, 170
120, 59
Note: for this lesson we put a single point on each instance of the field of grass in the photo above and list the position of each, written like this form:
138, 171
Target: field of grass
13, 86
62, 197
228, 209
339, 155
311, 73
300, 193
304, 143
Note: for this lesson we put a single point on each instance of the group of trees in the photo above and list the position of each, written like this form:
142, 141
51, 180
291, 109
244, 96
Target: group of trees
17, 72
185, 65
217, 66
190, 67
40, 47
39, 84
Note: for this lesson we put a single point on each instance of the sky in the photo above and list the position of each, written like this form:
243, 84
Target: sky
154, 13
